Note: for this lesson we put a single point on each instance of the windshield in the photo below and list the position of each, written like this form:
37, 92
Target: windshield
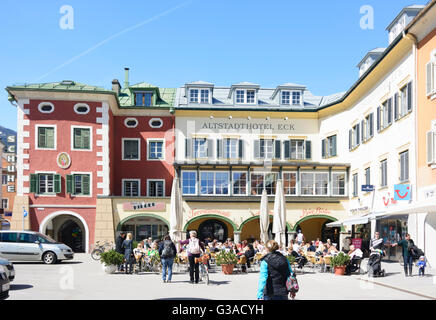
42, 238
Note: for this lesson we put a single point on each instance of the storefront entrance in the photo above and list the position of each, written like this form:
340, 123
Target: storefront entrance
392, 230
250, 229
144, 226
314, 228
211, 226
71, 234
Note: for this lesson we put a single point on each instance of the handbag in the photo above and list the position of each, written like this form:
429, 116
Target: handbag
292, 284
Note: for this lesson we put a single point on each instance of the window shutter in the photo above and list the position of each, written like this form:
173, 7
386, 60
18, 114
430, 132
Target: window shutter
409, 96
334, 153
308, 149
378, 119
277, 149
57, 183
362, 131
188, 148
85, 184
209, 148
77, 139
371, 124
50, 138
430, 78
323, 144
430, 147
389, 110
350, 137
407, 166
396, 107
85, 139
69, 183
34, 183
241, 148
256, 149
357, 134
41, 138
287, 147
219, 148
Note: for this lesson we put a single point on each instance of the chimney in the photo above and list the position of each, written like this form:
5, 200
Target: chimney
126, 81
116, 87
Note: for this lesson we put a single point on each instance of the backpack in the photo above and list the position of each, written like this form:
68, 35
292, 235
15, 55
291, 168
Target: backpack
194, 246
167, 251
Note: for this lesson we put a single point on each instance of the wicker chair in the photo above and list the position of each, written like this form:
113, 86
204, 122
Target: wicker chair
242, 262
327, 263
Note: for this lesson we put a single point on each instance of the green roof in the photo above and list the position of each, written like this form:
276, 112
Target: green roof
66, 85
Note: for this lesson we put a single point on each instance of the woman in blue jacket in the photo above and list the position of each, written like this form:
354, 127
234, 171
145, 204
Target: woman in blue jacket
274, 271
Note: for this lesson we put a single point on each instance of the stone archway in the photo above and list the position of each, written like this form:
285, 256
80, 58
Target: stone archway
226, 225
314, 227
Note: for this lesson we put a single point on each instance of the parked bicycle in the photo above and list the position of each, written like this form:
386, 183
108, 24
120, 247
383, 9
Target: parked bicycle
204, 268
97, 249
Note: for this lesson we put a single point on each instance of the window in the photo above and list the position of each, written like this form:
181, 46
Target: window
45, 183
430, 142
155, 123
4, 179
290, 183
189, 182
143, 99
239, 183
404, 166
131, 122
193, 95
156, 188
131, 149
384, 115
200, 148
314, 183
368, 176
8, 237
46, 137
266, 149
355, 185
214, 183
5, 203
261, 180
27, 238
384, 173
286, 97
430, 73
81, 138
329, 147
368, 127
204, 96
78, 184
81, 108
231, 148
297, 149
46, 107
245, 96
156, 150
403, 101
338, 183
131, 188
354, 137
296, 98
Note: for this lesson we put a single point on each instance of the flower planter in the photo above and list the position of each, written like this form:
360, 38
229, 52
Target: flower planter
227, 268
110, 269
340, 271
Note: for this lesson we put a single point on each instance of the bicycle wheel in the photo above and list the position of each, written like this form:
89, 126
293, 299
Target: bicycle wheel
207, 276
96, 254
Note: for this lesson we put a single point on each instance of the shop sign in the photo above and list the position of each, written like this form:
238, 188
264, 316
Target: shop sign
317, 211
197, 212
388, 200
247, 126
359, 210
402, 192
160, 206
357, 243
367, 187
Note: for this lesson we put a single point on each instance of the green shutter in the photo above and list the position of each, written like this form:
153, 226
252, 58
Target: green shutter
334, 146
41, 138
256, 149
69, 183
85, 184
33, 183
323, 151
308, 149
57, 183
85, 138
49, 137
77, 139
277, 149
287, 147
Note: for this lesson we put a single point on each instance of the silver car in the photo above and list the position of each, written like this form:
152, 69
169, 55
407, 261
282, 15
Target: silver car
32, 246
9, 268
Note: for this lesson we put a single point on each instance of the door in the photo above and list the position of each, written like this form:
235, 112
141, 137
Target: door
27, 248
9, 245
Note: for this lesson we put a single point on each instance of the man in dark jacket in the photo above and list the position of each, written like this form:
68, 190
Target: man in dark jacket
167, 252
406, 244
119, 247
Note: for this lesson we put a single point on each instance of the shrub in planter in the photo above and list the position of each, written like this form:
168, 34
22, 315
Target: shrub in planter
110, 260
226, 260
339, 262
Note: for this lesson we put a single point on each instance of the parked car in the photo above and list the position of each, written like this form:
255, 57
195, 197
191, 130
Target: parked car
4, 283
10, 271
32, 246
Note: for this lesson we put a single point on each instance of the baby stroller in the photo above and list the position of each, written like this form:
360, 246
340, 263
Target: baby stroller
300, 260
374, 264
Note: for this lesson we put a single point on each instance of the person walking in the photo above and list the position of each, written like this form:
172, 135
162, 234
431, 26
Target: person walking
167, 252
128, 253
274, 272
195, 247
300, 237
406, 244
118, 247
421, 266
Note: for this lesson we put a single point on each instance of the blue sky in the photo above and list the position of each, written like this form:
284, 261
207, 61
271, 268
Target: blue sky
315, 43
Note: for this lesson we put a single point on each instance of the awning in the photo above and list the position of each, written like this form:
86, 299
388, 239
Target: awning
334, 224
349, 222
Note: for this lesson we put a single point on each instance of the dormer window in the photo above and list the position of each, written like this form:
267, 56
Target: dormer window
286, 97
199, 95
245, 96
143, 99
296, 98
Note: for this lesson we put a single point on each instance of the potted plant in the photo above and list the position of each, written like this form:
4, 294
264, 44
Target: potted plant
291, 259
227, 261
338, 262
111, 260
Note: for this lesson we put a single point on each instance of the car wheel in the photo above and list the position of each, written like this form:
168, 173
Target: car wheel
49, 258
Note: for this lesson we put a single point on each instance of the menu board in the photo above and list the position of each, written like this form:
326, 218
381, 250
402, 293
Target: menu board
357, 243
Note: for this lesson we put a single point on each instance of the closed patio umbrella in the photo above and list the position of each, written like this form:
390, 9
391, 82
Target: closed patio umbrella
176, 211
279, 219
264, 217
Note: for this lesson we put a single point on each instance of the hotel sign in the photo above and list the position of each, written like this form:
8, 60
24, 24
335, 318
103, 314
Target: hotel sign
248, 126
158, 206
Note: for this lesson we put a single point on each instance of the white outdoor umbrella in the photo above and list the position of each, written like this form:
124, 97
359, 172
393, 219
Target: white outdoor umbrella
176, 212
264, 217
279, 219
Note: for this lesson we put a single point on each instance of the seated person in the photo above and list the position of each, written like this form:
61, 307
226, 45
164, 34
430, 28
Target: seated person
355, 256
139, 252
312, 247
321, 249
332, 250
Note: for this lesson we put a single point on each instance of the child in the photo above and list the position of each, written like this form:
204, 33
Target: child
421, 265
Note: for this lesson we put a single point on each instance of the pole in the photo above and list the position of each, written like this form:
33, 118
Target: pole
23, 217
